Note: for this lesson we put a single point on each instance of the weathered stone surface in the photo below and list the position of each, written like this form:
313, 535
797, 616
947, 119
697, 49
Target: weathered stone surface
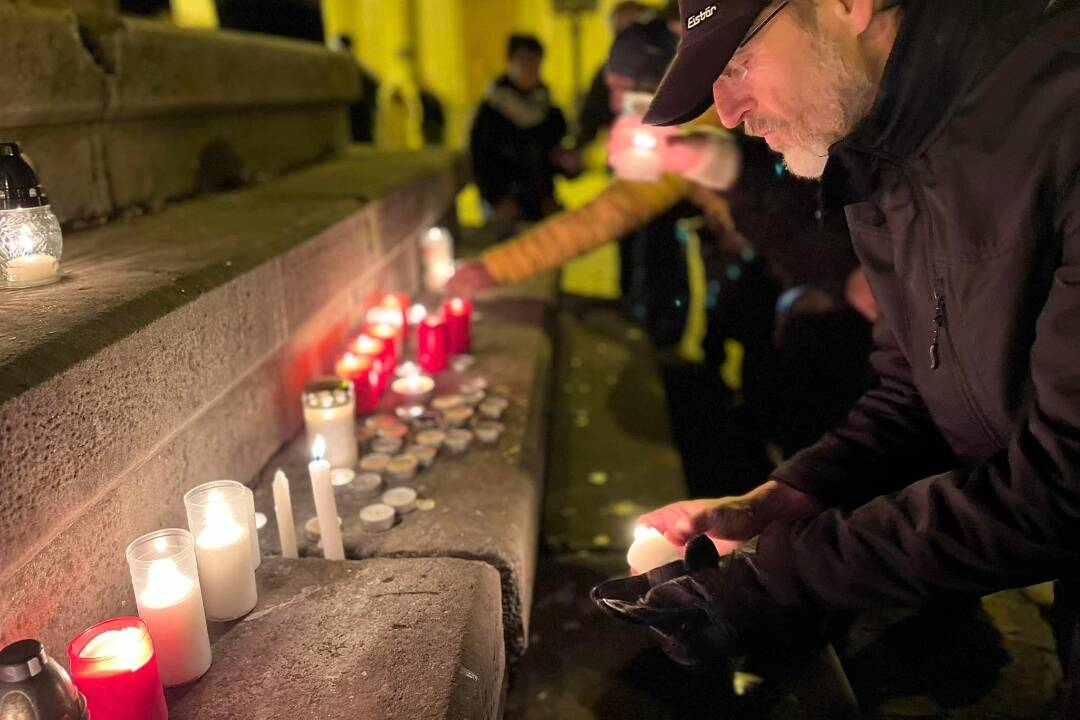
372, 640
158, 69
486, 503
49, 76
164, 359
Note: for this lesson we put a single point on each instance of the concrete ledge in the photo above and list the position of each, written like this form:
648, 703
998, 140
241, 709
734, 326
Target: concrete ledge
371, 640
171, 354
487, 503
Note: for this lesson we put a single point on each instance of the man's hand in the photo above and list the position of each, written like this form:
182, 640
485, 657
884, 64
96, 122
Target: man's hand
731, 521
470, 279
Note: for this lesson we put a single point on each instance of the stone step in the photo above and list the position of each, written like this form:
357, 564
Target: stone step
383, 639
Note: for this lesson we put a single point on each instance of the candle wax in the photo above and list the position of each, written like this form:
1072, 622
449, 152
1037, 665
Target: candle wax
33, 268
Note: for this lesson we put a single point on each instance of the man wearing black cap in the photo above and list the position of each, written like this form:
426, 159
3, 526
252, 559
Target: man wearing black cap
948, 132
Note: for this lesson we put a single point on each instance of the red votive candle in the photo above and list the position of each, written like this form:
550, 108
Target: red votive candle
389, 335
458, 312
383, 354
400, 302
432, 344
360, 369
113, 665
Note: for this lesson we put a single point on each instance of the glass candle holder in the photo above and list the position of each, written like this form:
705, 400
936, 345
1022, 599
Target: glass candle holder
329, 409
437, 258
169, 599
383, 355
218, 519
433, 344
114, 667
361, 372
30, 239
391, 338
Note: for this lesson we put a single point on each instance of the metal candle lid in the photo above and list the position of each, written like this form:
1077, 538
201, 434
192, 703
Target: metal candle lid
328, 393
35, 687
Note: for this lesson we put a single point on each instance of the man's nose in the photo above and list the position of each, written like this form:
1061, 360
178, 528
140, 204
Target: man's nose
732, 103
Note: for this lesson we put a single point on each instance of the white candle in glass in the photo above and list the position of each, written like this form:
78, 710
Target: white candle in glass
31, 268
284, 513
329, 407
218, 518
325, 504
169, 600
650, 550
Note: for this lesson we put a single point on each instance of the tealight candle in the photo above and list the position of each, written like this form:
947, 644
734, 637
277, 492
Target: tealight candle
217, 518
377, 518
494, 408
341, 476
378, 422
387, 446
325, 504
360, 371
402, 468
375, 462
401, 499
473, 398
113, 665
447, 402
457, 417
169, 600
424, 454
431, 438
463, 363
428, 421
433, 344
329, 413
284, 513
414, 389
393, 432
367, 485
312, 528
458, 441
489, 431
650, 550
474, 385
407, 369
409, 411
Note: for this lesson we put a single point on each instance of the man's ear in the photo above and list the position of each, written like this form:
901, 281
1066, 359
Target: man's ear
854, 14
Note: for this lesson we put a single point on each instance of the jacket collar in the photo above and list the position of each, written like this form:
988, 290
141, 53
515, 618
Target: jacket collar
943, 48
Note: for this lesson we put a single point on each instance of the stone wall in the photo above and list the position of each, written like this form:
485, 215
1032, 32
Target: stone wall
121, 115
173, 353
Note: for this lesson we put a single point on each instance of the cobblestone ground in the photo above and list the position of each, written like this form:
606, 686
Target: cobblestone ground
611, 458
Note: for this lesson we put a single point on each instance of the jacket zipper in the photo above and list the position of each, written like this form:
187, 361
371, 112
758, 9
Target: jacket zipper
939, 324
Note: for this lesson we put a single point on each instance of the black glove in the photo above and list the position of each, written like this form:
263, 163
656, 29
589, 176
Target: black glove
704, 608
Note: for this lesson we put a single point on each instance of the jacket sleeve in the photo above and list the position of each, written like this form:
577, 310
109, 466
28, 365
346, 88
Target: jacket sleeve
488, 169
1012, 521
622, 207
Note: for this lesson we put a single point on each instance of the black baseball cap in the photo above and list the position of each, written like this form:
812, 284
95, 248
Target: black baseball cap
712, 31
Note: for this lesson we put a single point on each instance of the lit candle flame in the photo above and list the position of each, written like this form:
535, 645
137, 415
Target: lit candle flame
318, 448
457, 306
644, 141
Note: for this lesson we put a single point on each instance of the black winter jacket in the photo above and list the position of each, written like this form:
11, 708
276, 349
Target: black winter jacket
960, 473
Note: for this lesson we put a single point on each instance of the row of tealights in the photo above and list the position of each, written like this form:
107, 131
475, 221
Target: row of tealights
183, 578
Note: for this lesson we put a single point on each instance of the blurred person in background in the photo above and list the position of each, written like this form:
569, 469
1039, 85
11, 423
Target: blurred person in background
515, 140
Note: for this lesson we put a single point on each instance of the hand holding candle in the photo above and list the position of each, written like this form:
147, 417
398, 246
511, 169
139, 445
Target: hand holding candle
325, 504
650, 550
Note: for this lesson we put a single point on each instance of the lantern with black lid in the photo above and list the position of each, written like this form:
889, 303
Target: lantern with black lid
30, 240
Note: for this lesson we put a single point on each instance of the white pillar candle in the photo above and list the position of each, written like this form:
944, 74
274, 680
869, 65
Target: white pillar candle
650, 550
283, 511
218, 518
329, 411
169, 600
325, 504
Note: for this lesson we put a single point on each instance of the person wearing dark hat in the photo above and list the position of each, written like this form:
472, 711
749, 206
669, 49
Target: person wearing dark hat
948, 134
